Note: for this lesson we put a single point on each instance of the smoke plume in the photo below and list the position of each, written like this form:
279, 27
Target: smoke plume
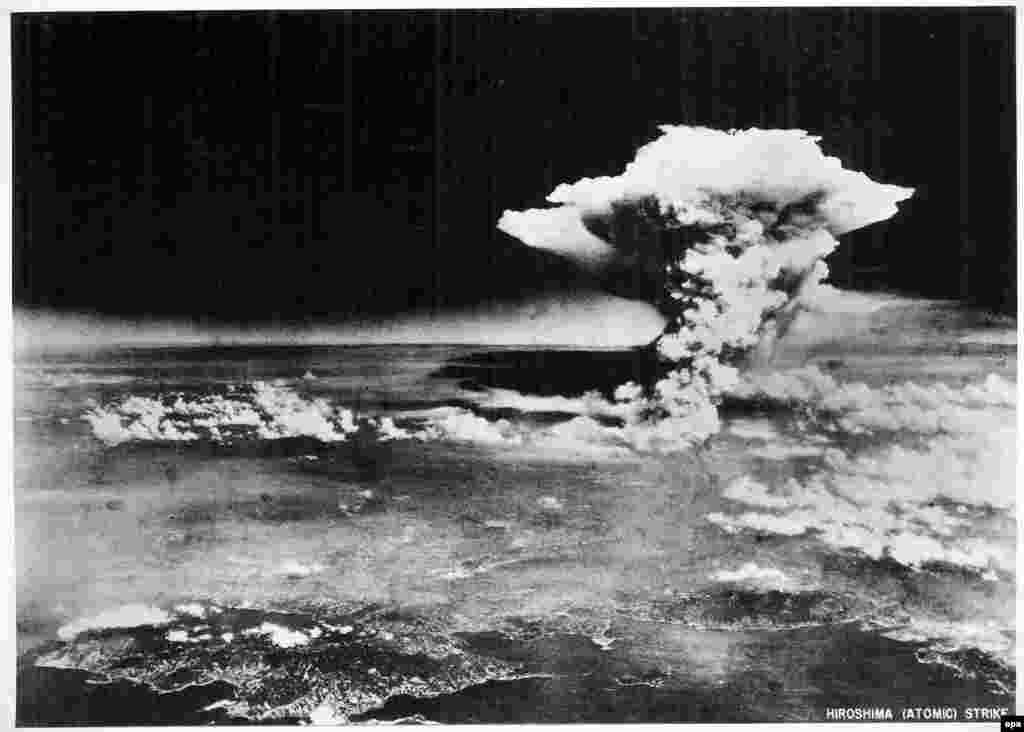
726, 233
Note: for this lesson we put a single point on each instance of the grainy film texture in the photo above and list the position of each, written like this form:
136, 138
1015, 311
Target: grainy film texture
515, 366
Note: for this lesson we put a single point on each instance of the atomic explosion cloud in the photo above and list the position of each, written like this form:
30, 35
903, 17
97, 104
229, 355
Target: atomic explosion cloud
729, 229
735, 225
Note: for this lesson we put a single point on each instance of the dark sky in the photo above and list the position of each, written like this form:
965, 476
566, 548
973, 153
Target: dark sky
257, 167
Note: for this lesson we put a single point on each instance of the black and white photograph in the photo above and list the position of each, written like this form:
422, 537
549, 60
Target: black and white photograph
514, 365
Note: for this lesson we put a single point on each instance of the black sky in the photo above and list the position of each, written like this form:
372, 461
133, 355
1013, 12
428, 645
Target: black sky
318, 166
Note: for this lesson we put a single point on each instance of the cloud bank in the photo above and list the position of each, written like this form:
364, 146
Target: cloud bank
572, 320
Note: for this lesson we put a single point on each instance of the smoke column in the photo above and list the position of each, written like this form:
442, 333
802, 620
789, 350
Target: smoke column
726, 233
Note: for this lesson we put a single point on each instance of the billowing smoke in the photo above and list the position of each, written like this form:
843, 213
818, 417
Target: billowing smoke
726, 233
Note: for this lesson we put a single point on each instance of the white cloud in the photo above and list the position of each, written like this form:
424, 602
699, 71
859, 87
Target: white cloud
126, 616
